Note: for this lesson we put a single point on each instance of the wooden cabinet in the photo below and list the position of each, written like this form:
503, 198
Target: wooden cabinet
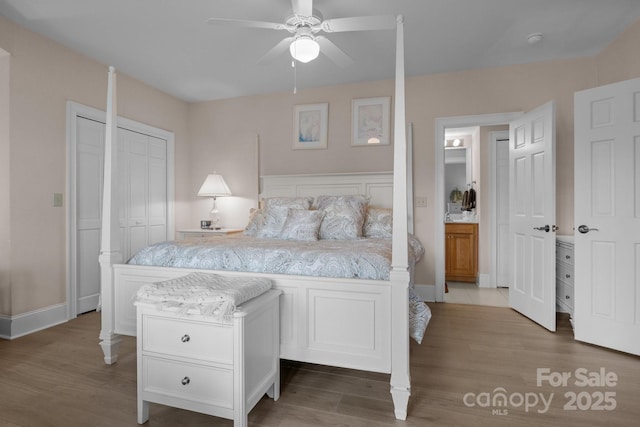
461, 252
564, 276
218, 368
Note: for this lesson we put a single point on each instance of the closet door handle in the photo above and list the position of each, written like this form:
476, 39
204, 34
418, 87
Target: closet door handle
544, 228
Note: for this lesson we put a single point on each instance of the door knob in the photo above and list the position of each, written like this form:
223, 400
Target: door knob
544, 228
584, 229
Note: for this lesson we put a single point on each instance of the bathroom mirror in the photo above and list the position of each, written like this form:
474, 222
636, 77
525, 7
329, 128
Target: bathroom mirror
457, 170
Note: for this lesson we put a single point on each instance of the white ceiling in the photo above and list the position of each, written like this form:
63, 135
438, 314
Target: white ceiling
169, 45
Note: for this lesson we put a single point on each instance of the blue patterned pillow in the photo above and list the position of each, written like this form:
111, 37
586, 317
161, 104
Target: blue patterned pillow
378, 223
288, 202
274, 219
301, 225
256, 221
344, 216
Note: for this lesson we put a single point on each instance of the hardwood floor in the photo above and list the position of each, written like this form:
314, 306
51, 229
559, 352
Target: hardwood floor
57, 377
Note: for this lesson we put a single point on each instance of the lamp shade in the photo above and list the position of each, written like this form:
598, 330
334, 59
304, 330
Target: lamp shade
304, 49
214, 186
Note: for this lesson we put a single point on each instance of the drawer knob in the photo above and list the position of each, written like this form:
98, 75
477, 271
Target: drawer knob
185, 338
568, 276
185, 381
567, 256
567, 297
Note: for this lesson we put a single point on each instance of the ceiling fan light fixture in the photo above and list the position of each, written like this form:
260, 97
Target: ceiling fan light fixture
304, 48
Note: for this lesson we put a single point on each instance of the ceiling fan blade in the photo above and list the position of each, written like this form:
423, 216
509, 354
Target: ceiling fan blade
334, 52
276, 51
248, 24
359, 23
302, 7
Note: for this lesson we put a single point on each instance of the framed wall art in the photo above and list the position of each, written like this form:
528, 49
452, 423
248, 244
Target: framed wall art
370, 121
310, 126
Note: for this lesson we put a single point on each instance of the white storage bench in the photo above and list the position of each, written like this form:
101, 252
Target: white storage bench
194, 362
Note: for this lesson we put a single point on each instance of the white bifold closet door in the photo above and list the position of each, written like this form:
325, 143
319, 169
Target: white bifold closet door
143, 204
143, 189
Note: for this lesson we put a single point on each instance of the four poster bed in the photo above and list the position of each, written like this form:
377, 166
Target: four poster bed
347, 321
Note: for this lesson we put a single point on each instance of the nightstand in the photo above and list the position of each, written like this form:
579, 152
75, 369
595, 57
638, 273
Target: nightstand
194, 362
198, 232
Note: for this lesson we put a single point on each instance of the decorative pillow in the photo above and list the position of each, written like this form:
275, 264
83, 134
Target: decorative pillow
288, 202
344, 216
378, 223
256, 221
301, 225
274, 219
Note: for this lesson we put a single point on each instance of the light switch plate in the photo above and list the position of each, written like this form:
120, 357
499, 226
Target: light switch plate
421, 202
57, 200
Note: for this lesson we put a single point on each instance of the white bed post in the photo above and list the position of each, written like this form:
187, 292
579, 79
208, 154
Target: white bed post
399, 275
110, 252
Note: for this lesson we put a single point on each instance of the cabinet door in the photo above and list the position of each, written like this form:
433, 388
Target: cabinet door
461, 252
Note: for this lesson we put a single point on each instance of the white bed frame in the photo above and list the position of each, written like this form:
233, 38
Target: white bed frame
352, 323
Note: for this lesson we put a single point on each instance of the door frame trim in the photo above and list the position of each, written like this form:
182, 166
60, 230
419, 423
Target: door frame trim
493, 139
74, 111
441, 124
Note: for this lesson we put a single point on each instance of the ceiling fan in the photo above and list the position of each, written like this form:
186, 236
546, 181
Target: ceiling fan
304, 25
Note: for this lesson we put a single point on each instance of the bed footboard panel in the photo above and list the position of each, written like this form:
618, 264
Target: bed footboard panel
335, 322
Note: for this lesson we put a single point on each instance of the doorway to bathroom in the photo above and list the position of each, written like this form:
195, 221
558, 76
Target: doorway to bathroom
489, 136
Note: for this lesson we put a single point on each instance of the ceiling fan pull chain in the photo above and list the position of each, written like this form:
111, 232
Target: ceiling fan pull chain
295, 76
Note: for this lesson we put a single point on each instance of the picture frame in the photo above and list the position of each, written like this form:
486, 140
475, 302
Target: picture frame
371, 121
310, 126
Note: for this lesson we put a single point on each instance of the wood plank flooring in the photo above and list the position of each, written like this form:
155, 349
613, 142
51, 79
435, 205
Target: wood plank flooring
57, 378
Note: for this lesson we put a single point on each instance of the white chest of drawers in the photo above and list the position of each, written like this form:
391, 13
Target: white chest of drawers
199, 364
564, 276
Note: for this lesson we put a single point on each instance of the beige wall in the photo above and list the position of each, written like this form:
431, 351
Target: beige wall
224, 131
43, 77
620, 60
221, 136
5, 167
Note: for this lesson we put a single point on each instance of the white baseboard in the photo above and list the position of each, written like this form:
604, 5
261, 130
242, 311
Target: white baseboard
484, 280
27, 323
5, 327
426, 292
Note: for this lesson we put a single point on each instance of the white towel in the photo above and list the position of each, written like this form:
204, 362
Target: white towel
211, 295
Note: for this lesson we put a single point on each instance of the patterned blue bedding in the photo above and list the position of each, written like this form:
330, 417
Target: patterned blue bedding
368, 258
358, 259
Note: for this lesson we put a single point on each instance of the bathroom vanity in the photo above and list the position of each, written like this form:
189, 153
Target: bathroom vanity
461, 251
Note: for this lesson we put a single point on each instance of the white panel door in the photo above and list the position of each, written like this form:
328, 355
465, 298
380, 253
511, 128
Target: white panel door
145, 190
136, 173
607, 216
532, 215
89, 166
157, 190
143, 209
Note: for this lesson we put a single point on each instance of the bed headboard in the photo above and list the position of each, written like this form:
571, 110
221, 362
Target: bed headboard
377, 185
